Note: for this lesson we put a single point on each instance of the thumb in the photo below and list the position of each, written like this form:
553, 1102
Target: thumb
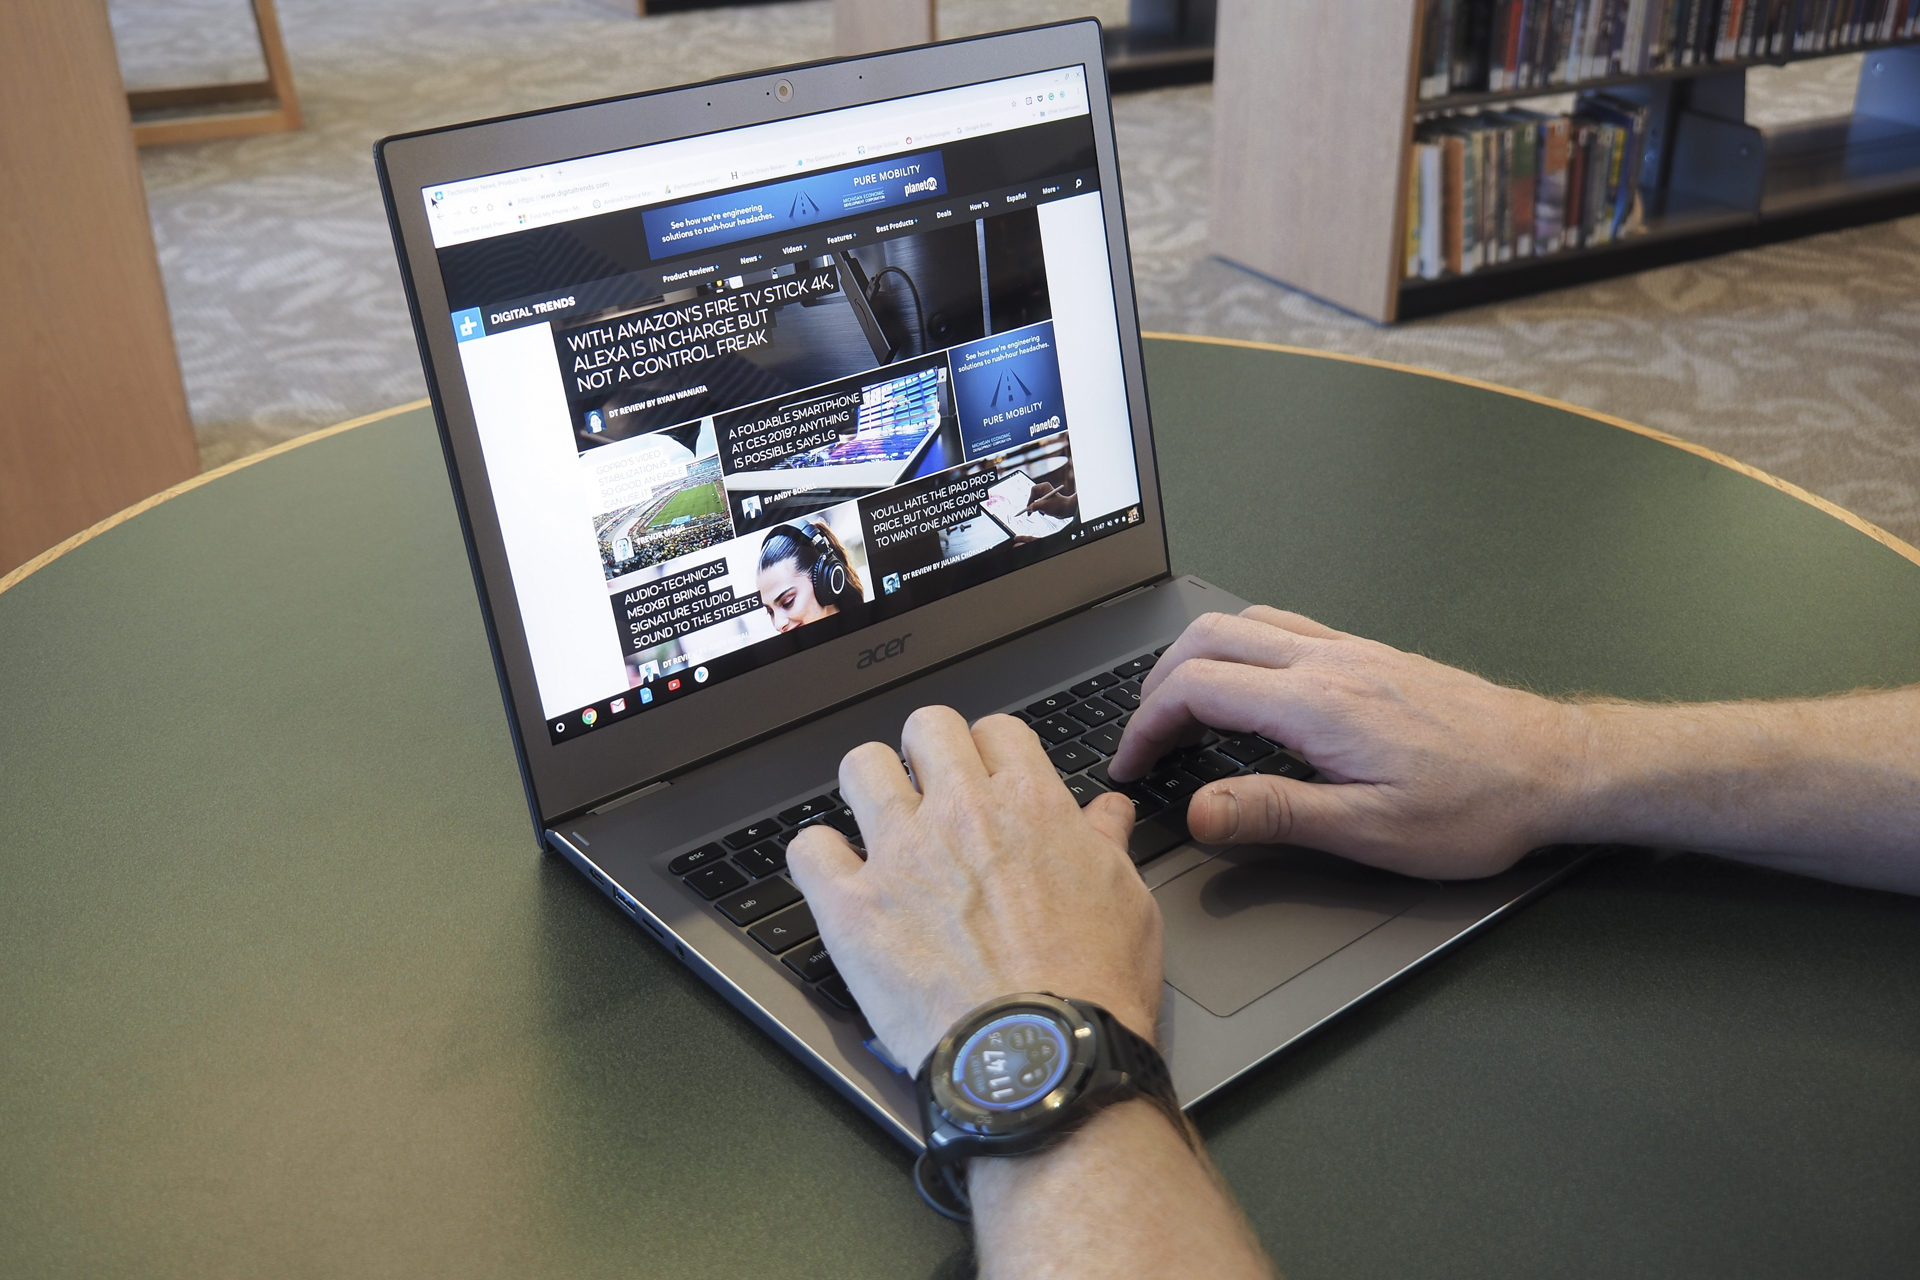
1263, 809
1112, 816
820, 859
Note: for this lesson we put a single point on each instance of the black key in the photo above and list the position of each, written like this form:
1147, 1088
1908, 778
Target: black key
717, 878
1144, 801
1208, 765
1245, 747
1094, 712
763, 859
1024, 717
785, 930
1051, 703
842, 820
1173, 785
1055, 730
1138, 667
700, 857
836, 993
1161, 652
761, 830
1072, 758
1285, 765
810, 960
1106, 741
1084, 789
1156, 835
808, 809
1126, 697
1087, 688
744, 906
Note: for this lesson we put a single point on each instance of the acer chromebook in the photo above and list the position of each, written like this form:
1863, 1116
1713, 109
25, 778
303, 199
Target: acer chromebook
779, 406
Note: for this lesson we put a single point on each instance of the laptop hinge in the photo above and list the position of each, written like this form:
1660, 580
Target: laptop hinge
635, 794
1128, 595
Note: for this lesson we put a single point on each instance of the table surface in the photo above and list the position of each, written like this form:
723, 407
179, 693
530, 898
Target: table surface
285, 990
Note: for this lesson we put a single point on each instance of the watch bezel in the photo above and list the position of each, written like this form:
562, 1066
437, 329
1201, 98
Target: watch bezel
974, 1120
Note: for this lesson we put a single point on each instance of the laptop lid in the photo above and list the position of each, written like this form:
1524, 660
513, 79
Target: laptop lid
761, 394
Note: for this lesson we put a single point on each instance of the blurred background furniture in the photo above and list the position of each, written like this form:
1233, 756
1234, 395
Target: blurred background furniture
95, 415
1317, 104
242, 107
1163, 42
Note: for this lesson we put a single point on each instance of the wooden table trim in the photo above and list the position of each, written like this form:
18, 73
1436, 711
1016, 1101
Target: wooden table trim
88, 534
1840, 513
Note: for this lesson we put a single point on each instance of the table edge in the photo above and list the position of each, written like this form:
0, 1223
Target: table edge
16, 576
1860, 524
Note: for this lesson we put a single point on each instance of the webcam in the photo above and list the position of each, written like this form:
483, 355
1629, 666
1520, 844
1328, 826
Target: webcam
783, 90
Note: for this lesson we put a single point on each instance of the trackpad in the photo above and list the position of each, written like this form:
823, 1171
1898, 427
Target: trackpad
1241, 924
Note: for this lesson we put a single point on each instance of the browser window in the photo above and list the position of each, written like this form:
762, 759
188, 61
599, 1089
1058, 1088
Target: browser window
743, 393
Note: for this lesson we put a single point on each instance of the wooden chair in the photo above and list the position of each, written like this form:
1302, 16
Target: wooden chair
260, 106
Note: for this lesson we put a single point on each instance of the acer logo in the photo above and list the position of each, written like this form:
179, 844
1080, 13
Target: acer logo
881, 652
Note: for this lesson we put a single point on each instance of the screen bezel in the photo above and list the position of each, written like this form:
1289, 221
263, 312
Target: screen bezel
567, 778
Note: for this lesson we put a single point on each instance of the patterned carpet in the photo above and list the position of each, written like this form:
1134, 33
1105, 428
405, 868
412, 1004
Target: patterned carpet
1802, 358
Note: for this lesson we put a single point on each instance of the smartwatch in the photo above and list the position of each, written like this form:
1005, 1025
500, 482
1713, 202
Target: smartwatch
1016, 1075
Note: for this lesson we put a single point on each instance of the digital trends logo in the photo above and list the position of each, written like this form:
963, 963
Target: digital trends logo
467, 325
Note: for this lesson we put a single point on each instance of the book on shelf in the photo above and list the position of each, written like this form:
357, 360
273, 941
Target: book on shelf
1475, 46
1498, 186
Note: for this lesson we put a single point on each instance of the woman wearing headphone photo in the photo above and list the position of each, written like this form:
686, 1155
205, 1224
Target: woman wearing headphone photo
805, 575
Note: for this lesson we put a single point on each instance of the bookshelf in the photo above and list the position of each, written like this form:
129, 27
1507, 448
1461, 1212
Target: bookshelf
1316, 107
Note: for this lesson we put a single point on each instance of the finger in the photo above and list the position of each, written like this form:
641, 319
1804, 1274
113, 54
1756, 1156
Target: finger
821, 861
1226, 638
1286, 620
1262, 809
875, 787
940, 748
1220, 695
1006, 743
1112, 816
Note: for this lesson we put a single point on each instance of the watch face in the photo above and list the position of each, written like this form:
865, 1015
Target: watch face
1011, 1061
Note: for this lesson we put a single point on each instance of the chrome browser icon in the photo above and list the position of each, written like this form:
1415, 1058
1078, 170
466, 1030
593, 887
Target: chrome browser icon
588, 716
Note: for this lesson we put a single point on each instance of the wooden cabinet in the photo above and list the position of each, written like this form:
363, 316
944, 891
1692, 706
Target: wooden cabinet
93, 416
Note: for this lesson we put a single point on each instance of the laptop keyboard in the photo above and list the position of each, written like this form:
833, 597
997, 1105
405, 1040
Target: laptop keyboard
742, 874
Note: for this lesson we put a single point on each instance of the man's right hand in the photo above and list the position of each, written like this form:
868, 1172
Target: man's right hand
1440, 773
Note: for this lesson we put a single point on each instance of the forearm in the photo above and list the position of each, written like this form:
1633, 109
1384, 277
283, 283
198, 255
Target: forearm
1827, 787
1123, 1196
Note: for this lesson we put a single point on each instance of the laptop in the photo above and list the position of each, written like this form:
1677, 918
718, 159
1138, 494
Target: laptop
779, 406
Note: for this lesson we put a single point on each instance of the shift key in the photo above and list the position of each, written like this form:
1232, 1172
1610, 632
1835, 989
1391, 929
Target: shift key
763, 899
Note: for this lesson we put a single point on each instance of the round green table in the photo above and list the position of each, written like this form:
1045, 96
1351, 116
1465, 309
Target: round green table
284, 989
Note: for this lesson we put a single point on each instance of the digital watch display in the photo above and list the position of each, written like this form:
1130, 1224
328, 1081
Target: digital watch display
1012, 1060
1017, 1073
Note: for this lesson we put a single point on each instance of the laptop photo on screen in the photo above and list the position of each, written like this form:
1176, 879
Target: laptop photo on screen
779, 406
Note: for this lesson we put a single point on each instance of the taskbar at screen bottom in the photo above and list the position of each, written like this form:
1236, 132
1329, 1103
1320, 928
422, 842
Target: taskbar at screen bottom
657, 690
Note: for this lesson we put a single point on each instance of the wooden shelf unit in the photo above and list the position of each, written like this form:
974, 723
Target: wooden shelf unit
1315, 107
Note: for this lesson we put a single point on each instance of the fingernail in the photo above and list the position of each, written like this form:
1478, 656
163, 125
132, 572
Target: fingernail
1220, 815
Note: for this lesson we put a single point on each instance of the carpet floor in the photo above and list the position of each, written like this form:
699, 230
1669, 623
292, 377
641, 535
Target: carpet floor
1801, 358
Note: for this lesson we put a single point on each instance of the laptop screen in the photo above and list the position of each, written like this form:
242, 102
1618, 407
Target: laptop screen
742, 393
